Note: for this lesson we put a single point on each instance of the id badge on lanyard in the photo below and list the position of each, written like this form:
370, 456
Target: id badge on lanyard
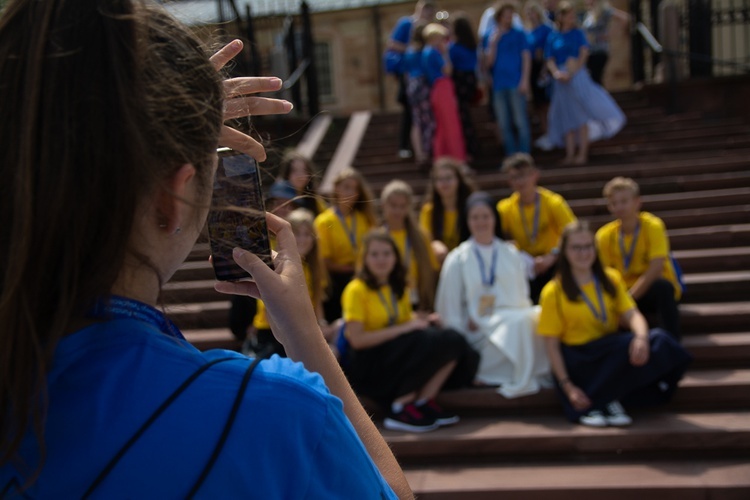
487, 299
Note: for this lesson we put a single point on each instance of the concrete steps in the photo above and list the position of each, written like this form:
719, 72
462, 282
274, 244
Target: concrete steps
719, 479
694, 173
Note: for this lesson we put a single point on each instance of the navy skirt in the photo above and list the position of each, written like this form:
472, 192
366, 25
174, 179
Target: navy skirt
603, 371
403, 365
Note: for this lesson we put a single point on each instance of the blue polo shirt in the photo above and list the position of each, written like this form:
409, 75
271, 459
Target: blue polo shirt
412, 63
538, 37
290, 439
462, 57
432, 64
402, 31
508, 67
561, 46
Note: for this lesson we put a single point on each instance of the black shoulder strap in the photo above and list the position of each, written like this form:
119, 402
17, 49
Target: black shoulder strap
157, 413
227, 427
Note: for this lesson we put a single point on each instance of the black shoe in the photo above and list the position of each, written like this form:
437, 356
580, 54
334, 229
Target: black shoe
433, 410
410, 419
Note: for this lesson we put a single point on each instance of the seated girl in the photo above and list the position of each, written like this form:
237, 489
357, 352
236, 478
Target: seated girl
396, 202
397, 359
596, 367
316, 279
484, 293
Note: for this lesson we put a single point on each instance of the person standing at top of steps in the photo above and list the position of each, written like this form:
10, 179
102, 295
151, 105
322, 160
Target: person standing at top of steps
397, 44
637, 245
533, 218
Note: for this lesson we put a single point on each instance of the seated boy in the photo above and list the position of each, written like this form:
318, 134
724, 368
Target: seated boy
534, 218
636, 244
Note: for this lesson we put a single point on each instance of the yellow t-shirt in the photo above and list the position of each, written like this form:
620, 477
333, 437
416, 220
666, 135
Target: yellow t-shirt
410, 260
333, 238
652, 243
554, 215
260, 321
361, 303
574, 323
451, 234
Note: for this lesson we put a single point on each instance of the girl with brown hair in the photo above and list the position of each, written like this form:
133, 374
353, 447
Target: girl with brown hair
396, 202
598, 369
340, 230
111, 116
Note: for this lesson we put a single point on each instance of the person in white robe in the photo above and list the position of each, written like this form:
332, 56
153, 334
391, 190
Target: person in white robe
483, 293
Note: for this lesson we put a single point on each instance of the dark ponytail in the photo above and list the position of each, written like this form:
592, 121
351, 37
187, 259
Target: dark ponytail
101, 101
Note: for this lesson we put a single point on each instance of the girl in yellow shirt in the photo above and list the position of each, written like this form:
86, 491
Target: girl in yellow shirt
595, 366
340, 230
316, 279
396, 202
443, 214
398, 359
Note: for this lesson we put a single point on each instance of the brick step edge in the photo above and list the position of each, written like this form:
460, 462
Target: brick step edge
665, 480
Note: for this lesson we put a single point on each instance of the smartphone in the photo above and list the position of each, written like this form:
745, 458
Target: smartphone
237, 217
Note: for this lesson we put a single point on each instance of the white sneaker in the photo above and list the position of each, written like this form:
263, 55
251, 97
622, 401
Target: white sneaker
616, 416
594, 418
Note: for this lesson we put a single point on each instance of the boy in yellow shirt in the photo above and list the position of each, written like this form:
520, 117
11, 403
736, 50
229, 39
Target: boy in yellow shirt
636, 244
534, 218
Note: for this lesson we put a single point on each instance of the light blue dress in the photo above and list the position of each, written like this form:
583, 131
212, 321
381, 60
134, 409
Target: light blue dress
580, 101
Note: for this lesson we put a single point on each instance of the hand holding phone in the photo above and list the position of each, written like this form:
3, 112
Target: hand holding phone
237, 215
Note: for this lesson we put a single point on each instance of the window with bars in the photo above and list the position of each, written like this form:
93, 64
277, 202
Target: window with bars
324, 66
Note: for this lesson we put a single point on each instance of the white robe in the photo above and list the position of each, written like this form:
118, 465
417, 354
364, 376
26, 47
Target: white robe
512, 354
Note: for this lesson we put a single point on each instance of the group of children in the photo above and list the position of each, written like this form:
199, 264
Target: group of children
439, 66
449, 299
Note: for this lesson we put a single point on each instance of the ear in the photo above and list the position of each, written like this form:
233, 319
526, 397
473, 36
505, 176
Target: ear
175, 194
638, 203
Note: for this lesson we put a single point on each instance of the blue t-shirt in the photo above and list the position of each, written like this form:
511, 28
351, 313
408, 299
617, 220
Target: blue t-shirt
538, 37
508, 67
412, 63
462, 57
402, 31
562, 46
290, 438
432, 64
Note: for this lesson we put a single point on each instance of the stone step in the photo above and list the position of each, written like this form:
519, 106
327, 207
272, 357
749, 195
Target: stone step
712, 318
713, 259
529, 437
699, 479
710, 236
671, 201
717, 287
700, 390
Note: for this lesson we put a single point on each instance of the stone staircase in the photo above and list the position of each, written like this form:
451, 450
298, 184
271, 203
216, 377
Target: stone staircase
694, 172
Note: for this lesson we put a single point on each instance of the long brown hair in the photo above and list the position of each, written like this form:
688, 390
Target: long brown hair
365, 199
309, 196
465, 188
102, 101
397, 278
302, 217
426, 275
564, 272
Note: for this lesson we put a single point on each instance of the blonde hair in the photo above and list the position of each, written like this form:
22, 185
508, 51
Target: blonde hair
426, 275
621, 184
434, 29
365, 198
536, 7
298, 219
517, 162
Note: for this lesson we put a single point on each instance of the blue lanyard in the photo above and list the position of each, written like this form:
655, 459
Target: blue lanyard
391, 311
627, 256
116, 307
600, 298
537, 211
489, 281
350, 232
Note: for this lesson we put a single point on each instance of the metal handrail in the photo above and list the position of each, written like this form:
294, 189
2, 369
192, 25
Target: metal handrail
296, 75
655, 46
